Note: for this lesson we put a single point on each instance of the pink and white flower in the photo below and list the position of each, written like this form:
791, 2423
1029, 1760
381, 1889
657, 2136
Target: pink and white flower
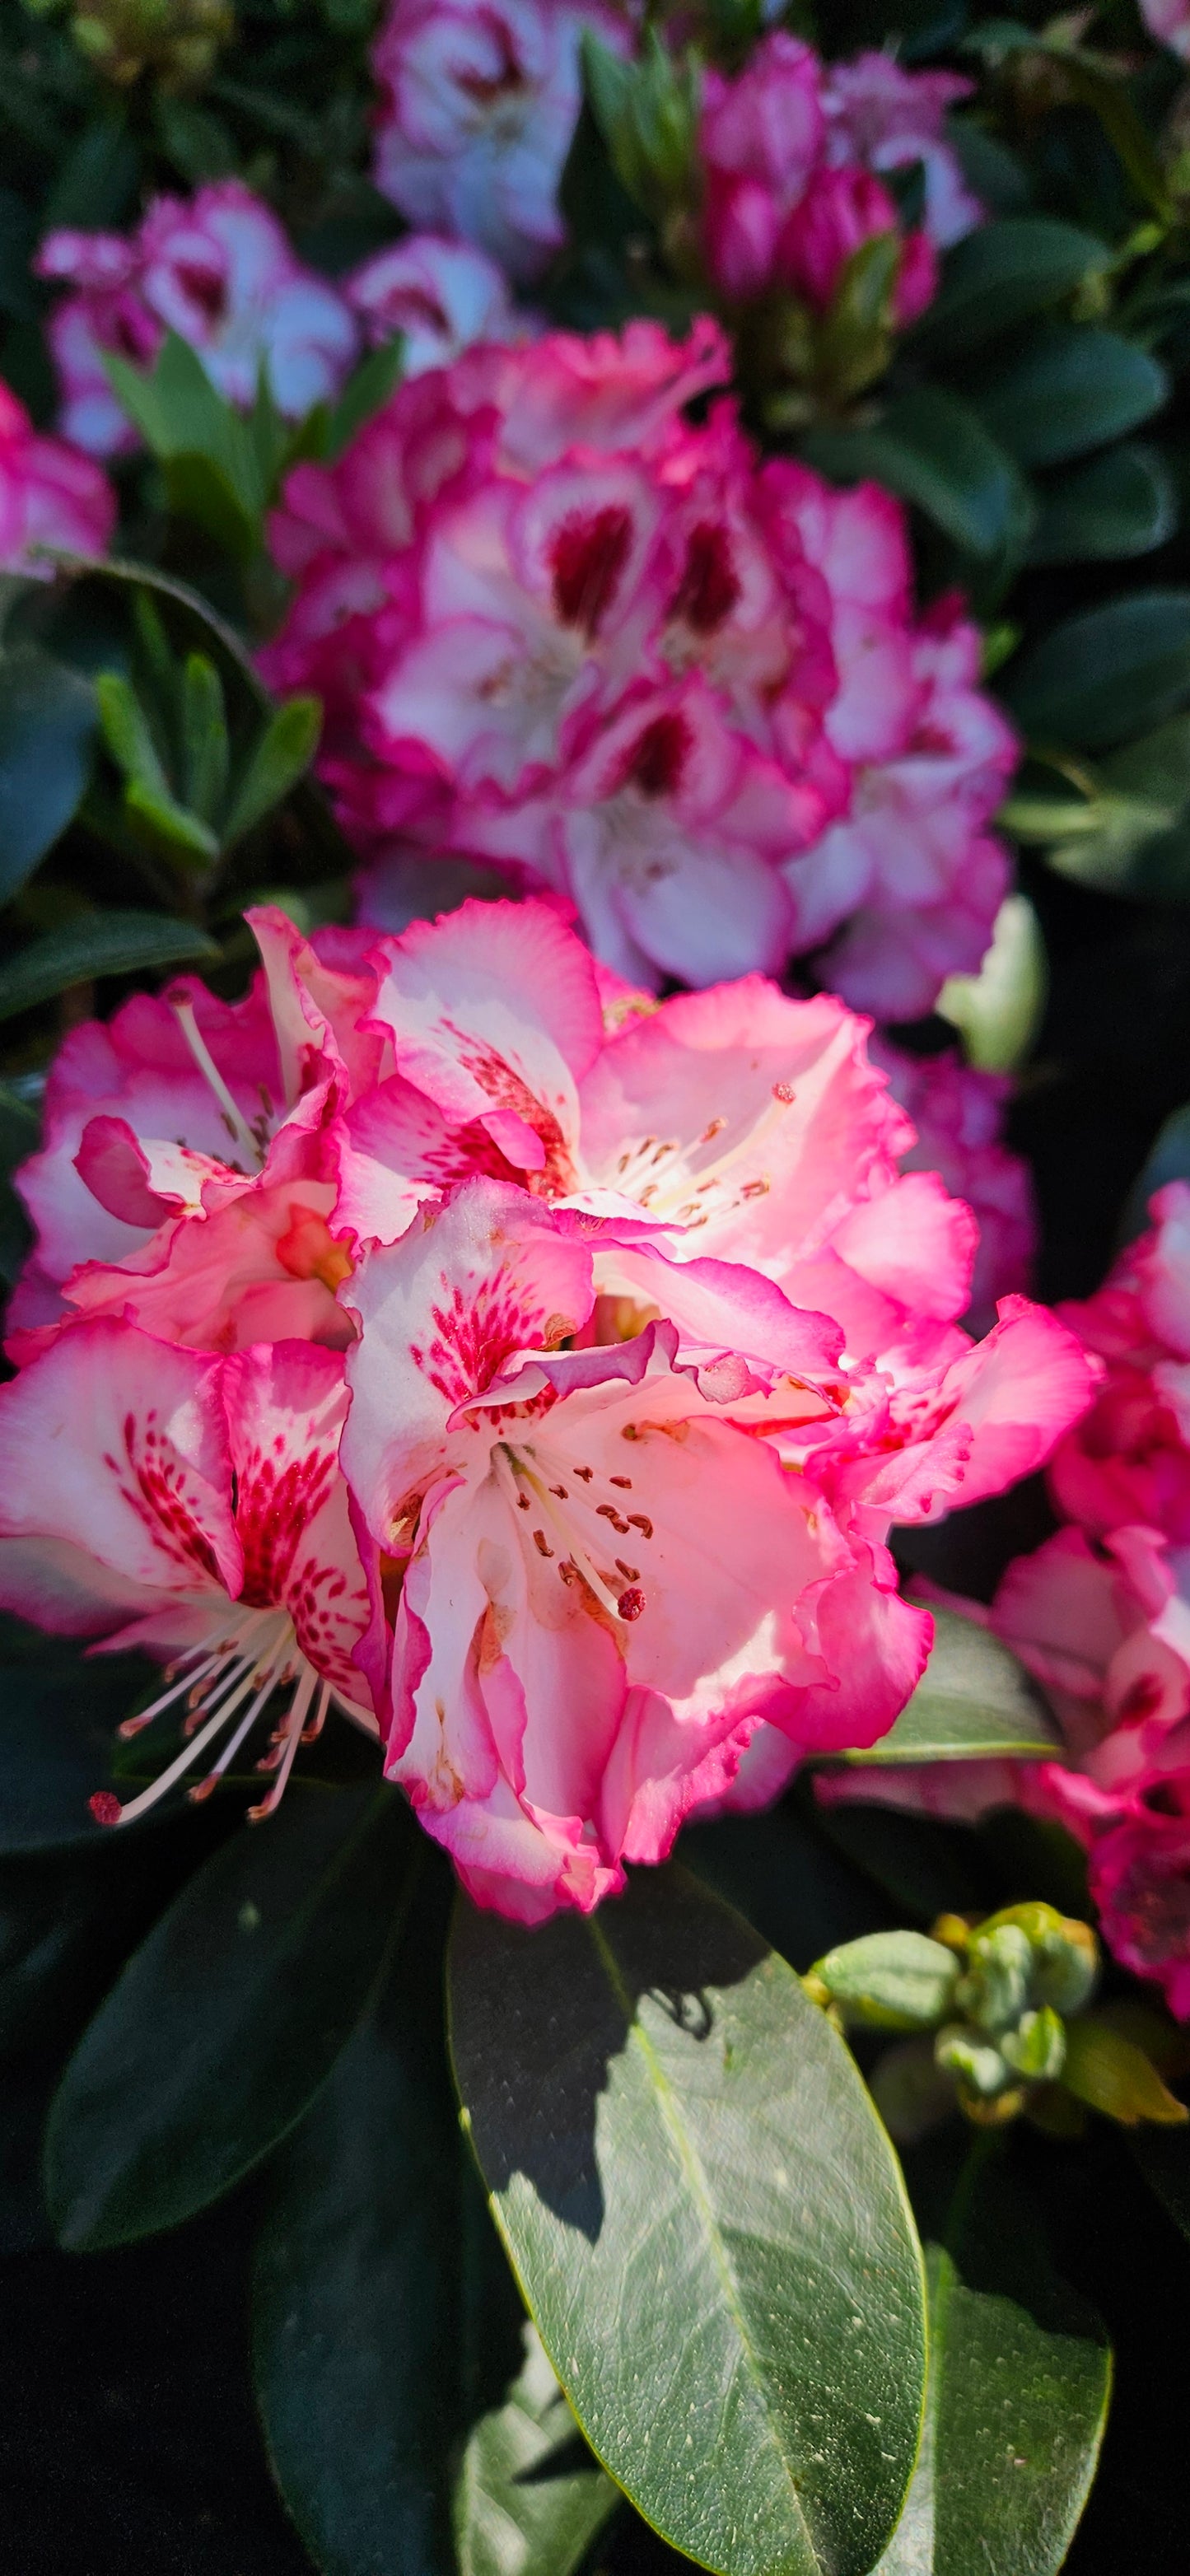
1169, 22
187, 1172
194, 1508
562, 631
50, 495
587, 1531
441, 296
649, 1340
219, 271
479, 105
958, 1113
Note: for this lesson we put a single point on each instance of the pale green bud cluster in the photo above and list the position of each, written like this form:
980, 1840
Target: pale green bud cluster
1006, 2003
175, 40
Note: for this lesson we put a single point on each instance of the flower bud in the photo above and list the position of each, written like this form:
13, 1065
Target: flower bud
890, 1980
982, 2069
995, 1989
1037, 2047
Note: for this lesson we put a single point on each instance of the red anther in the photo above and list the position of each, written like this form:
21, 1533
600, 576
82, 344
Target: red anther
631, 1602
104, 1807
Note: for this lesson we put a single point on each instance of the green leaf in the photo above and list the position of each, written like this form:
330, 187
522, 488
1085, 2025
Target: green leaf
1132, 837
1000, 1009
128, 733
199, 488
365, 392
1004, 273
1121, 504
1073, 388
94, 944
1093, 679
974, 1702
223, 2025
205, 747
705, 2218
57, 1712
1111, 2074
47, 726
412, 2418
891, 1980
280, 757
933, 450
210, 456
1020, 2379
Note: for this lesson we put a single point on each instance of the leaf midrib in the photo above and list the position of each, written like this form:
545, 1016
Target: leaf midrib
692, 2167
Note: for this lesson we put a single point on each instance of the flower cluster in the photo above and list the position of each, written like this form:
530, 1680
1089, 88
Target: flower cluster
50, 495
478, 107
534, 1370
792, 148
563, 631
220, 272
1101, 1614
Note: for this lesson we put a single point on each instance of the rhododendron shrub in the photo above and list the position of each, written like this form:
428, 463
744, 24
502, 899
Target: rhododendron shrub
220, 272
1100, 1613
562, 629
648, 1341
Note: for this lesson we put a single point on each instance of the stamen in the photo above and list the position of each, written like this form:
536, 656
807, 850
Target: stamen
297, 1719
236, 1124
130, 1726
202, 1788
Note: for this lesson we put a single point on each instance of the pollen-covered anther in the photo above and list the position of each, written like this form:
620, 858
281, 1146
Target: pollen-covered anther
785, 1093
631, 1602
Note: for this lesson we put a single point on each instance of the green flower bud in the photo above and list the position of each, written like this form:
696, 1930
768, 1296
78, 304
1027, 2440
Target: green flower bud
890, 1980
980, 2067
1065, 1953
1037, 2047
995, 1989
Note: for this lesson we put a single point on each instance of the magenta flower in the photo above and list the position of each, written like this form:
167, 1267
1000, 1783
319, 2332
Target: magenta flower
479, 104
958, 1114
194, 1508
50, 495
889, 118
221, 273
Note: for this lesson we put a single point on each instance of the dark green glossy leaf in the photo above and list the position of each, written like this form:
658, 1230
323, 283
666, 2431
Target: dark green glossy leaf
47, 726
281, 756
973, 1701
1120, 504
1098, 676
1073, 389
1002, 274
782, 1874
925, 1867
1020, 2377
933, 450
217, 2035
57, 1712
97, 943
412, 2418
705, 2218
1133, 838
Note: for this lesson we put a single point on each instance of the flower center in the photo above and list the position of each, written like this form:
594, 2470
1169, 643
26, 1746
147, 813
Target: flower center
566, 1505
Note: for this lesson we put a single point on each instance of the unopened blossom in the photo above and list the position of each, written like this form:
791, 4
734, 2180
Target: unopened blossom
218, 270
193, 1508
890, 119
50, 495
478, 108
792, 151
187, 1174
561, 630
441, 297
